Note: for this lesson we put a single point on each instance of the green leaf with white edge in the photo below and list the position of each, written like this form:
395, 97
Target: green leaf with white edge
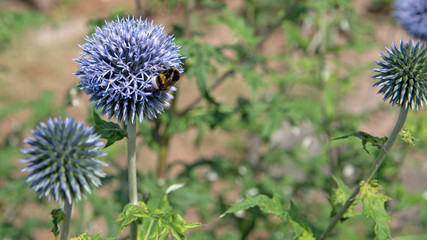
373, 201
57, 217
263, 202
171, 222
338, 198
108, 130
96, 236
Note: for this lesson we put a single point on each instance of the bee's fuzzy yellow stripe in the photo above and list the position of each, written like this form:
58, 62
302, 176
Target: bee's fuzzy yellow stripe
162, 78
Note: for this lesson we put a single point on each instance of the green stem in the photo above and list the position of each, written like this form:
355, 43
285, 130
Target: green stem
65, 227
149, 230
374, 168
133, 195
162, 164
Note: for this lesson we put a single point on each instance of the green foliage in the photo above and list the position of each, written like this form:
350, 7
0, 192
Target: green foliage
105, 208
199, 64
86, 236
240, 27
108, 130
276, 97
41, 108
274, 206
163, 222
367, 138
13, 23
373, 201
407, 137
339, 196
57, 217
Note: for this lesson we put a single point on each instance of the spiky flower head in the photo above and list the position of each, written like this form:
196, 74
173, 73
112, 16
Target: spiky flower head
402, 75
412, 16
62, 160
117, 65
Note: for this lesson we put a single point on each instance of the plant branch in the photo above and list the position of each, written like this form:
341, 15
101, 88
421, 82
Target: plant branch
132, 178
374, 168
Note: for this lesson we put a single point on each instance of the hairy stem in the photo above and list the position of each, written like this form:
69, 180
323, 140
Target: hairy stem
65, 227
374, 168
133, 195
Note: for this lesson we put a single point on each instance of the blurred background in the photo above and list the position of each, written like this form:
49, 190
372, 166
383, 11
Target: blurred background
267, 87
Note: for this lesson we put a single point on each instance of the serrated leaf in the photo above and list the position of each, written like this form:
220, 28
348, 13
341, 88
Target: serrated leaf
127, 216
373, 201
57, 217
175, 224
108, 130
263, 202
338, 198
367, 138
171, 222
274, 206
95, 236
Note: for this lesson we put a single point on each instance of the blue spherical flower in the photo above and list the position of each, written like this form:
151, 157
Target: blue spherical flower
118, 63
402, 75
62, 160
412, 16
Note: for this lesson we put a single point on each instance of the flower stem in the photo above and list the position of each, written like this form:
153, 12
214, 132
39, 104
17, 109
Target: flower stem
374, 168
65, 227
133, 195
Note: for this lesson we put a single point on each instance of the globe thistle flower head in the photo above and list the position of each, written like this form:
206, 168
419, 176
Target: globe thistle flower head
412, 16
402, 75
62, 162
118, 63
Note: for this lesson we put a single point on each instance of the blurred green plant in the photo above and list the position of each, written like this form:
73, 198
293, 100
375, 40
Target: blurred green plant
13, 23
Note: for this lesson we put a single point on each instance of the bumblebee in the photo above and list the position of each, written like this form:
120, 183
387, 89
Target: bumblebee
166, 79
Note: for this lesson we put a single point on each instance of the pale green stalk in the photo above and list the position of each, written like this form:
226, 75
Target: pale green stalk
65, 227
374, 168
133, 195
147, 235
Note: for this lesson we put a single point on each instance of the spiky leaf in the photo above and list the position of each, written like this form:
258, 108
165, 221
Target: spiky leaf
373, 201
339, 197
164, 222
